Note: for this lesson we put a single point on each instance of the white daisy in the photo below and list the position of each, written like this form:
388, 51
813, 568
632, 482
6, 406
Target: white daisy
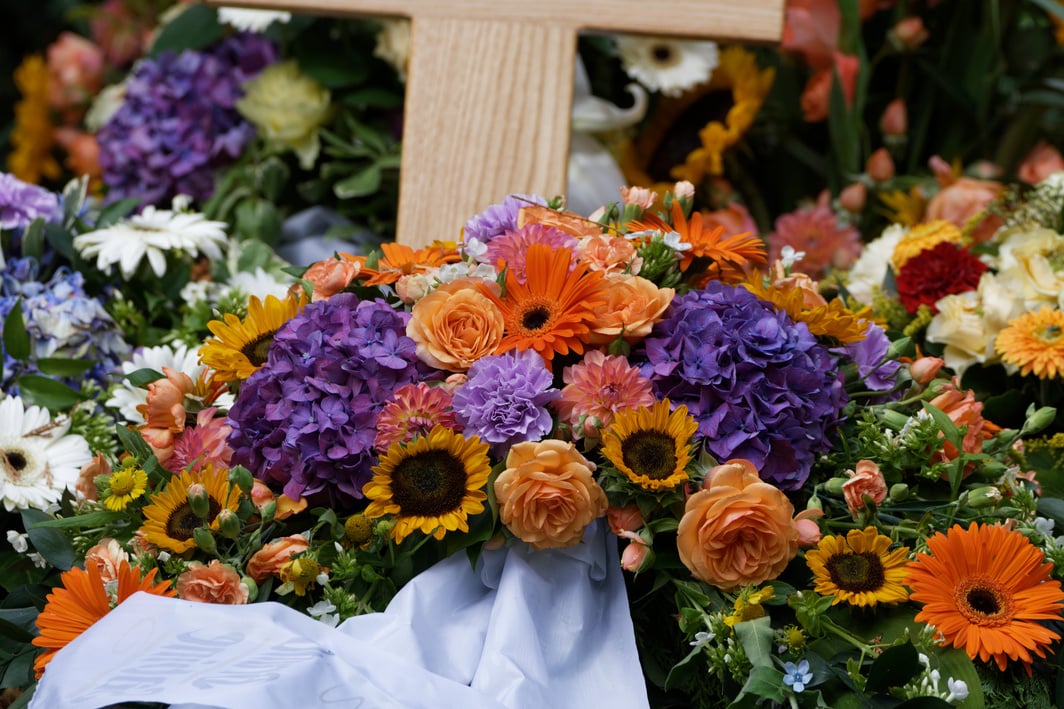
261, 283
667, 65
126, 397
152, 234
38, 458
251, 20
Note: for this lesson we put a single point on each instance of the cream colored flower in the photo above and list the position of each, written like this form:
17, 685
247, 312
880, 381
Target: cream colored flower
393, 44
288, 108
668, 65
960, 327
871, 266
1034, 261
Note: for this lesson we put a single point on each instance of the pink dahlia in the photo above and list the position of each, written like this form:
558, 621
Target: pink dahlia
413, 411
203, 444
816, 232
596, 389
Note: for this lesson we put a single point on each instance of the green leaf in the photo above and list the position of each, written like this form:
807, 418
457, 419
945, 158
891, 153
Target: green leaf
924, 703
52, 544
17, 623
196, 27
258, 219
16, 337
756, 638
62, 367
360, 184
49, 393
115, 211
100, 518
763, 682
271, 176
143, 377
19, 672
842, 129
955, 663
33, 239
372, 97
1052, 7
895, 667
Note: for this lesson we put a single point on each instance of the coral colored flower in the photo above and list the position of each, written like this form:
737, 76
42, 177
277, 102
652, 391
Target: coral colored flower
596, 388
413, 411
86, 484
610, 254
399, 260
268, 560
547, 494
925, 369
985, 589
108, 556
880, 165
204, 444
964, 411
632, 305
455, 325
164, 412
509, 249
330, 276
1041, 162
895, 120
811, 28
625, 519
865, 480
212, 583
1034, 342
945, 269
737, 530
75, 68
963, 202
816, 232
816, 98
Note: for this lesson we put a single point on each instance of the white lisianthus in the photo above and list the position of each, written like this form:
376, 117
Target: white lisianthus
393, 44
1033, 261
251, 20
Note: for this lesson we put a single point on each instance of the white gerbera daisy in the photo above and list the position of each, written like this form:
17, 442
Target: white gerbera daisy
38, 458
126, 397
667, 65
152, 234
251, 20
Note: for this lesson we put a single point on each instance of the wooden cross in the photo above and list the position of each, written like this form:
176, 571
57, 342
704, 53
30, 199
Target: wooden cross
489, 92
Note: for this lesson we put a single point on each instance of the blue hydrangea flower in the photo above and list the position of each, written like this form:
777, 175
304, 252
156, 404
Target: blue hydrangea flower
797, 676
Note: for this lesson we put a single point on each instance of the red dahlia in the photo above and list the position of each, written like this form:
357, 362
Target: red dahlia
944, 269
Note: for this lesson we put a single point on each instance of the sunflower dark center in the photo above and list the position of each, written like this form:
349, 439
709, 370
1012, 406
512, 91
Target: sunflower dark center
429, 484
257, 349
984, 602
535, 317
650, 453
856, 572
183, 520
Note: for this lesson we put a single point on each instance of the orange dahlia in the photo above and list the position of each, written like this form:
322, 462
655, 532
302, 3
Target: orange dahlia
984, 588
82, 600
551, 312
1034, 342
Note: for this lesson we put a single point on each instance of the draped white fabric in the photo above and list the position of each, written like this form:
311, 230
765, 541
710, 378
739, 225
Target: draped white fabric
526, 629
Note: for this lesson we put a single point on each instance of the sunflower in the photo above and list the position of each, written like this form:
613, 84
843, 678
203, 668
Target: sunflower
169, 519
240, 346
1034, 342
83, 600
651, 445
431, 484
983, 588
552, 310
858, 569
125, 485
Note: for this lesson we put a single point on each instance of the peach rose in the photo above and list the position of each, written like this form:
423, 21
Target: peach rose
214, 583
547, 494
632, 306
330, 276
865, 481
737, 530
268, 560
86, 484
964, 199
107, 555
624, 519
634, 556
1041, 162
808, 529
611, 254
454, 326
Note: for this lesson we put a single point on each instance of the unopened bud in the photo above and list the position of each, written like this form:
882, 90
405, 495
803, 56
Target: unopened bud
834, 486
1039, 419
358, 529
895, 120
268, 511
899, 492
204, 540
199, 500
925, 369
814, 503
880, 165
241, 477
909, 33
229, 524
854, 197
986, 496
253, 588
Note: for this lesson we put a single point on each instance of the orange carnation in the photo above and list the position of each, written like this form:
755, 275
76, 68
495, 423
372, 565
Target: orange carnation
454, 326
212, 583
268, 560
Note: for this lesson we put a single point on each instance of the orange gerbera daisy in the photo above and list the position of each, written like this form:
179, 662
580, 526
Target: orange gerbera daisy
551, 312
723, 258
82, 600
1034, 342
398, 260
983, 588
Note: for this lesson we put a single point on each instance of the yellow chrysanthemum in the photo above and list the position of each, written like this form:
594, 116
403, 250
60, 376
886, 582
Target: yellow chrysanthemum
832, 321
1034, 342
903, 207
922, 237
169, 518
239, 347
31, 138
125, 485
859, 569
651, 445
432, 484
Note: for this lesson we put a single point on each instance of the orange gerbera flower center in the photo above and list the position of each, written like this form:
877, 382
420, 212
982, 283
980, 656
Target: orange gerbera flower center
984, 602
536, 314
856, 572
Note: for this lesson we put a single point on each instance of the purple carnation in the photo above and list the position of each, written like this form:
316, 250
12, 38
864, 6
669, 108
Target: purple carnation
869, 355
306, 420
760, 385
505, 399
21, 203
178, 124
499, 218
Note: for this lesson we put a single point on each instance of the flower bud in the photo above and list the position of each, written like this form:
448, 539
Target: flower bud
241, 477
895, 120
899, 492
985, 496
854, 197
268, 511
1038, 420
909, 33
925, 369
637, 556
253, 588
835, 486
229, 524
204, 540
880, 165
199, 500
894, 420
358, 530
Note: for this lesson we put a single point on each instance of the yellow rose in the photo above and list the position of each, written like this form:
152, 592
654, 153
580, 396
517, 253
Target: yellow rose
1032, 260
288, 108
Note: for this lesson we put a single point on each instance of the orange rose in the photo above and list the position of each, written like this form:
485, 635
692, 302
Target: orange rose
737, 530
214, 583
454, 326
611, 254
631, 308
547, 495
865, 481
964, 199
331, 276
107, 555
268, 560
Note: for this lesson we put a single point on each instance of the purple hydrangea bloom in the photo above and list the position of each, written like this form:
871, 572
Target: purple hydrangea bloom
499, 218
869, 355
21, 203
63, 322
306, 420
760, 385
178, 124
505, 399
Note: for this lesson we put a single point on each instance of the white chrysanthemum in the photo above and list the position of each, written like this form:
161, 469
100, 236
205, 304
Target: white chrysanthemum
668, 65
126, 397
251, 20
152, 234
870, 269
38, 458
